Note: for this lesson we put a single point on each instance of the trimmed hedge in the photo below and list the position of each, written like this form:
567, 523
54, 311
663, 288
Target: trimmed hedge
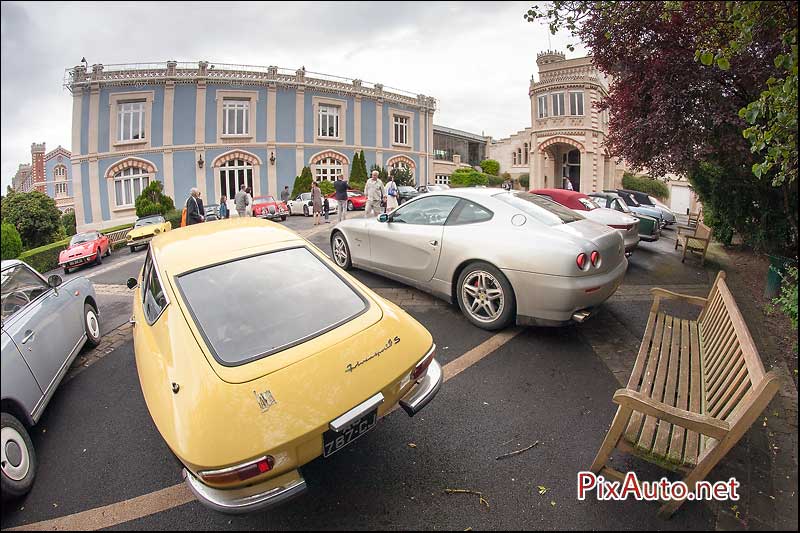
645, 184
468, 177
525, 181
45, 258
491, 167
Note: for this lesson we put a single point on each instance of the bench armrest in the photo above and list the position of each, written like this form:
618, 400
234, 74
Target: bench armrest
705, 425
660, 293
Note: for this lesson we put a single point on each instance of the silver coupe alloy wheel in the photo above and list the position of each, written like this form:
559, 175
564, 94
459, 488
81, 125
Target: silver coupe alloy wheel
15, 456
92, 324
340, 251
483, 296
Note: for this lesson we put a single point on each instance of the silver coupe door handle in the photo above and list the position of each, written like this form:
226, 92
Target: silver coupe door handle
433, 243
28, 337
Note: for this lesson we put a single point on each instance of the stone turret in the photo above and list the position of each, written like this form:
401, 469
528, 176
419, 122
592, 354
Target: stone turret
549, 56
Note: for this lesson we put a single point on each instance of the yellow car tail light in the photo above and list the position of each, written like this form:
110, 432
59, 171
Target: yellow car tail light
238, 473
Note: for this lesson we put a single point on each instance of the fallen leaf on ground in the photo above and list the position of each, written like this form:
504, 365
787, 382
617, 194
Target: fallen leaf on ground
412, 445
542, 489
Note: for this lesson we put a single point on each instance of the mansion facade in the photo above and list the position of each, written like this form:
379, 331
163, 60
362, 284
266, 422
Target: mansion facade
567, 133
49, 173
216, 126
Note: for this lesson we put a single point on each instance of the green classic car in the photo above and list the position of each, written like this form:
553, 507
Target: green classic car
648, 226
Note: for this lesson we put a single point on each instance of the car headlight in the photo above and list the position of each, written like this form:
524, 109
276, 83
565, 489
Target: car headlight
129, 238
156, 231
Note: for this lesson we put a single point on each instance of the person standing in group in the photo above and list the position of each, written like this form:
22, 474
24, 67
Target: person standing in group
248, 211
240, 200
375, 193
341, 186
568, 184
223, 208
316, 201
200, 202
391, 195
193, 213
285, 194
326, 209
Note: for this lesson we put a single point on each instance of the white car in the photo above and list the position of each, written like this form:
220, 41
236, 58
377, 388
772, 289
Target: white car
302, 205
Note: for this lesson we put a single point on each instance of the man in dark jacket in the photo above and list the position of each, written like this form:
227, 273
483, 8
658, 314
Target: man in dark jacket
194, 209
341, 186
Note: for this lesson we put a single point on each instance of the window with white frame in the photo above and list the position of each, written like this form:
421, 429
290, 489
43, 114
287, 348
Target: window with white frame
233, 174
576, 103
542, 103
60, 179
235, 117
558, 104
328, 121
328, 168
513, 158
400, 129
442, 179
130, 117
128, 185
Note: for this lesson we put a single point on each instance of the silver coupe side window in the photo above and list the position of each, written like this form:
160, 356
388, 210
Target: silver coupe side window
538, 207
253, 307
20, 287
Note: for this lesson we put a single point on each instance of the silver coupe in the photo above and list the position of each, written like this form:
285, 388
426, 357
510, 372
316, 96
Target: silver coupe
502, 256
44, 325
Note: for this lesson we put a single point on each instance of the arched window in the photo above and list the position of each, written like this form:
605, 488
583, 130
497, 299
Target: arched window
519, 156
525, 157
328, 168
128, 185
513, 158
232, 174
60, 179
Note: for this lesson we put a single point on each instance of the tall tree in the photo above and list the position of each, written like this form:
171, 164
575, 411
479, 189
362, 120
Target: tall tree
35, 216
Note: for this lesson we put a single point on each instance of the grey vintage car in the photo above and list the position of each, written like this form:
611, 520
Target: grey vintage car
44, 325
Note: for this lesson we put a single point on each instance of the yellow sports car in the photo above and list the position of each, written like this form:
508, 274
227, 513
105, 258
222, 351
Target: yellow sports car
256, 354
145, 229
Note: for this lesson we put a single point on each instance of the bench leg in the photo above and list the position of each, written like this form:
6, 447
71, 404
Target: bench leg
685, 247
677, 240
612, 438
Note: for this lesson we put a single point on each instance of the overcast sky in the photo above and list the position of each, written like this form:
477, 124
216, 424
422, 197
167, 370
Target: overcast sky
476, 58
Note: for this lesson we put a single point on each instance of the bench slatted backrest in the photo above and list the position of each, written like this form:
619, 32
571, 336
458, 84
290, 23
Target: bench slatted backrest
702, 231
732, 367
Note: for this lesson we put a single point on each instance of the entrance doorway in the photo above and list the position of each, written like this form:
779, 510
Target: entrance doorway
571, 169
232, 174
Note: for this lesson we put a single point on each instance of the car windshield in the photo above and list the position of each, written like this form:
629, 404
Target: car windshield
281, 299
630, 200
588, 203
305, 196
264, 199
83, 237
351, 194
148, 221
406, 188
538, 207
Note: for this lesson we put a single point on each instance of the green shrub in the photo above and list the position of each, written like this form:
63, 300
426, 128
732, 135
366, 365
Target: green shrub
35, 216
153, 201
174, 218
468, 177
44, 258
10, 241
787, 301
645, 184
68, 222
402, 176
302, 183
490, 166
525, 181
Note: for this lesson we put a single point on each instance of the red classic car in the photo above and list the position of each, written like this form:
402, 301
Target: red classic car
269, 208
84, 248
355, 199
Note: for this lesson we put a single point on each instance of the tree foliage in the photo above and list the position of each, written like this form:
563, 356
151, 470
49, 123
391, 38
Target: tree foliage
153, 201
35, 216
10, 241
68, 222
645, 184
302, 183
490, 166
402, 176
674, 109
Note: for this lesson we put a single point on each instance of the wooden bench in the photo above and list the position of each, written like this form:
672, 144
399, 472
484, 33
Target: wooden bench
696, 388
694, 240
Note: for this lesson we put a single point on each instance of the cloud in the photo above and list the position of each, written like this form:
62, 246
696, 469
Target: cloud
476, 58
